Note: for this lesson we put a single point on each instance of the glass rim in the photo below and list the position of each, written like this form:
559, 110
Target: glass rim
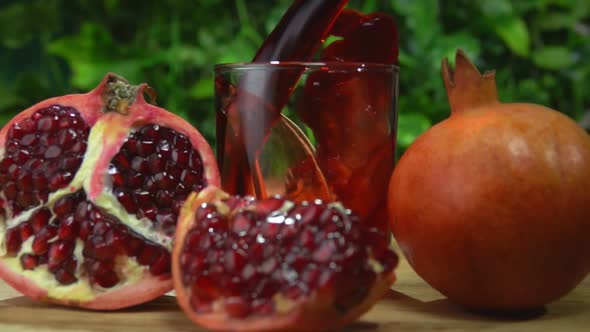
306, 66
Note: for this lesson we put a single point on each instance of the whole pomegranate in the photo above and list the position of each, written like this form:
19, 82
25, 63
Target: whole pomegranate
241, 264
90, 189
491, 206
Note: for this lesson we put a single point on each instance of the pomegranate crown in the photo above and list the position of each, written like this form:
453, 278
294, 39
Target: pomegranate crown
118, 94
466, 87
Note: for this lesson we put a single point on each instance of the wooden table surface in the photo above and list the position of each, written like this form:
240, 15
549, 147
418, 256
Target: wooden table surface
411, 306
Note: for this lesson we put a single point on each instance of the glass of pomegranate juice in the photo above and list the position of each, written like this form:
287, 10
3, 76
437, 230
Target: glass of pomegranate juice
309, 131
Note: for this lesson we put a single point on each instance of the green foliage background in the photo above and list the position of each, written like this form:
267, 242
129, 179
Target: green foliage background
540, 49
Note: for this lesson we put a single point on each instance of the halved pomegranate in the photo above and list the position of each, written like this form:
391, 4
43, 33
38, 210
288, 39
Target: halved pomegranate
90, 189
245, 265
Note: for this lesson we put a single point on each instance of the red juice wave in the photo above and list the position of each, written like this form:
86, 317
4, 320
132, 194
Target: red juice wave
254, 107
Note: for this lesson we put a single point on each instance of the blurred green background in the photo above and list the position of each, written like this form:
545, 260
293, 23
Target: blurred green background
540, 49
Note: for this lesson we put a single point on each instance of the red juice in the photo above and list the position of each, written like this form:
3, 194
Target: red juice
255, 105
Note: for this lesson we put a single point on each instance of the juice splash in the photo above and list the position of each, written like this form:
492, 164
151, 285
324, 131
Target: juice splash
356, 141
252, 108
352, 157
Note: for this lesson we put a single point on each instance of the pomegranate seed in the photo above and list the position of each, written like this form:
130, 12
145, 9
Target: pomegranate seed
24, 181
268, 205
146, 147
189, 178
63, 206
29, 262
26, 231
79, 147
181, 142
156, 163
116, 177
150, 131
122, 161
65, 277
96, 247
126, 199
144, 197
196, 162
22, 156
66, 137
10, 190
147, 255
164, 198
117, 239
52, 152
325, 252
161, 264
40, 218
103, 275
59, 251
71, 163
235, 260
181, 157
47, 123
164, 149
85, 228
134, 180
59, 181
27, 199
139, 164
134, 246
40, 243
164, 181
148, 211
16, 131
68, 228
6, 163
13, 240
81, 211
237, 307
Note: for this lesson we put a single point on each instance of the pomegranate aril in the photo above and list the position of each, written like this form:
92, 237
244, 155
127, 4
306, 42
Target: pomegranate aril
126, 199
163, 181
156, 163
27, 199
116, 176
164, 148
268, 205
181, 157
134, 246
52, 152
40, 242
66, 137
181, 142
47, 123
59, 181
13, 240
86, 227
22, 156
139, 164
16, 131
103, 275
122, 161
26, 231
78, 147
63, 206
237, 307
24, 181
59, 251
96, 247
10, 190
29, 262
148, 211
65, 277
235, 260
117, 238
146, 147
40, 218
161, 264
68, 228
147, 255
165, 198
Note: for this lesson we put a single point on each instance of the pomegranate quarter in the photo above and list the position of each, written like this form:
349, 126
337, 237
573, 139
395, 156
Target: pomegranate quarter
266, 265
90, 189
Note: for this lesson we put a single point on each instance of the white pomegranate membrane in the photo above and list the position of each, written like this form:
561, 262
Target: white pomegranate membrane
75, 241
248, 259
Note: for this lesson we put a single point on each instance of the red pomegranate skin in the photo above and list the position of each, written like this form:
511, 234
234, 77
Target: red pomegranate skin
490, 206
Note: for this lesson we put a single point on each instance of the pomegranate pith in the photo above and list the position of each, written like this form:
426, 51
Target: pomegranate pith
90, 188
263, 265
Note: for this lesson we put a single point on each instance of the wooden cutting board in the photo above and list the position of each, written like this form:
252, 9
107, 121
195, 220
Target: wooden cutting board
410, 306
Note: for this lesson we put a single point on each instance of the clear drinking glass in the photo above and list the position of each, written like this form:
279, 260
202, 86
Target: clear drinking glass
309, 131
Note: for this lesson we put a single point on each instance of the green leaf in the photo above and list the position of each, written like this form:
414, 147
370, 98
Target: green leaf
515, 34
410, 126
553, 57
202, 89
